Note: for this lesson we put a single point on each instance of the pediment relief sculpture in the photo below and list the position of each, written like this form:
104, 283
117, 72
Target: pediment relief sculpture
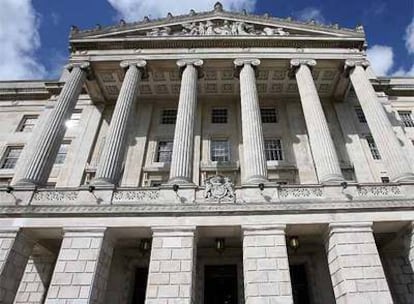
210, 28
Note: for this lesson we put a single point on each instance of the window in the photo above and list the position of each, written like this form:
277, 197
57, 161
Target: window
360, 114
164, 151
156, 183
28, 122
273, 149
385, 179
219, 116
269, 115
168, 117
74, 119
373, 147
61, 155
406, 118
10, 157
220, 150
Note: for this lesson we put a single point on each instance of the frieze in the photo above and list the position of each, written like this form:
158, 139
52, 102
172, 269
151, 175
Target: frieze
210, 28
378, 190
136, 195
285, 193
56, 196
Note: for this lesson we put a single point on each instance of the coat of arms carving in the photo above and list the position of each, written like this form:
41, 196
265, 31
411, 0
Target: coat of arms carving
219, 188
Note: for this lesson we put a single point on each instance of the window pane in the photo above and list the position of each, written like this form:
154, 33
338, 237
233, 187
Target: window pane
219, 116
360, 114
164, 152
168, 117
74, 119
273, 149
373, 147
406, 118
269, 115
28, 123
220, 150
11, 157
61, 156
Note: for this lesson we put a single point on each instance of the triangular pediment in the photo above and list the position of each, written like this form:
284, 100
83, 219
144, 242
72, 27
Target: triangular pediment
217, 24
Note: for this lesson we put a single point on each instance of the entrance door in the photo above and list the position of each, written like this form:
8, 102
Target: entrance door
140, 285
299, 284
220, 284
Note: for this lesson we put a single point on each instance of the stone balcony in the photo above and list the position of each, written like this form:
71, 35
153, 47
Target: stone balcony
191, 200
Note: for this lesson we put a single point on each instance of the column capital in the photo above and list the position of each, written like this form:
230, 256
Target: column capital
349, 227
197, 63
83, 65
352, 63
171, 231
239, 63
296, 63
139, 63
274, 229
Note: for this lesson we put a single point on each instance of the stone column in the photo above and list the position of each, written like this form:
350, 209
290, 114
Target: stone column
183, 147
323, 149
410, 244
171, 277
15, 250
388, 144
111, 160
82, 267
41, 160
254, 166
266, 265
354, 264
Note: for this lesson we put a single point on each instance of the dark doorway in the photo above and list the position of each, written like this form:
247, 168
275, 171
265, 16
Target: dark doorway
220, 284
140, 285
299, 284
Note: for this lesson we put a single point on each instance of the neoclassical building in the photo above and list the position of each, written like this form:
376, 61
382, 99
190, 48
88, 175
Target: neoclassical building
209, 158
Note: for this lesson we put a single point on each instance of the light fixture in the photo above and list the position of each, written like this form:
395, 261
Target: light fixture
261, 186
220, 245
294, 243
145, 246
9, 189
91, 188
175, 187
344, 185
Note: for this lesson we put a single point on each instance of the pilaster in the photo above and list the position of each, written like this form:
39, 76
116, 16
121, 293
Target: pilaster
323, 148
388, 144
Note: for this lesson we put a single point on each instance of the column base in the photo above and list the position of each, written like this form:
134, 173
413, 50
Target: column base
105, 182
405, 177
25, 183
180, 181
332, 179
255, 180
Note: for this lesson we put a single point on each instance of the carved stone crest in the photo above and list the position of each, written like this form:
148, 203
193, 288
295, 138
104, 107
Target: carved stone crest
219, 188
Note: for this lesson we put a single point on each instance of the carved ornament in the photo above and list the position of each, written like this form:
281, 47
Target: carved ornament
219, 188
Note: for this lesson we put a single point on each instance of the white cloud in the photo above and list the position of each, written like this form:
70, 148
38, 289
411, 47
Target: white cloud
409, 37
134, 10
19, 39
381, 58
402, 72
311, 13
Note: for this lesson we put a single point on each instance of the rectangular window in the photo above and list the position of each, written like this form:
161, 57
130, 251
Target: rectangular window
63, 151
164, 151
269, 115
406, 118
168, 117
220, 150
74, 119
385, 179
219, 116
273, 149
10, 157
28, 123
360, 114
373, 147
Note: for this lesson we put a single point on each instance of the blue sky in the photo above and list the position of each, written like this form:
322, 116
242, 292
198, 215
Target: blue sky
34, 33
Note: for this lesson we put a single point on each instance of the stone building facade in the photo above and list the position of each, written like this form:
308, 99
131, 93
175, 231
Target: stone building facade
214, 157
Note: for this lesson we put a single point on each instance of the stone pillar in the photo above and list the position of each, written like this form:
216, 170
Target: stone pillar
82, 267
171, 277
323, 148
266, 265
109, 167
15, 249
354, 264
183, 147
388, 144
410, 245
40, 162
254, 166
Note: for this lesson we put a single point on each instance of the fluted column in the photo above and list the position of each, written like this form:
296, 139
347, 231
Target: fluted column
182, 154
112, 155
323, 149
255, 170
41, 160
388, 144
